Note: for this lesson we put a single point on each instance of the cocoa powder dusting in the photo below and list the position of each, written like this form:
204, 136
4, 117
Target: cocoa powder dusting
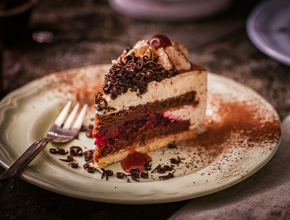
80, 85
243, 118
85, 93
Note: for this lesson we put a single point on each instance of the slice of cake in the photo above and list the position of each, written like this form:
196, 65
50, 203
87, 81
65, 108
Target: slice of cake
152, 96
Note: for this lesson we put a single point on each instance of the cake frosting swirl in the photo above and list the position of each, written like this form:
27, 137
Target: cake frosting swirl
173, 56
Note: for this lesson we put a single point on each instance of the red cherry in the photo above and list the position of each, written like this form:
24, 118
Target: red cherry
159, 40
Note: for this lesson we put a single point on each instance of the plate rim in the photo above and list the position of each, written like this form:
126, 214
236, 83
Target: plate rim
255, 36
29, 177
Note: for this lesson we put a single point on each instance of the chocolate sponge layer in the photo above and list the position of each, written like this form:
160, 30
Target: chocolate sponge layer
108, 119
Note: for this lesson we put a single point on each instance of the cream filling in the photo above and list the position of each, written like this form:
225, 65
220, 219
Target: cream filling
168, 88
179, 61
194, 114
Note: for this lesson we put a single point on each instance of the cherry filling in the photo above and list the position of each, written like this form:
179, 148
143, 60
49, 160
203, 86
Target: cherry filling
135, 160
112, 139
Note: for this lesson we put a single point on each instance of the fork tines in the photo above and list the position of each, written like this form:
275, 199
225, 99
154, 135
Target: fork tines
78, 123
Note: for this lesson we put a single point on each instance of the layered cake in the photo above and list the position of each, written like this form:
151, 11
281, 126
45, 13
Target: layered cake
152, 96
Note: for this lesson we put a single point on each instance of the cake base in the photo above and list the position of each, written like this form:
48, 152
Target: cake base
151, 145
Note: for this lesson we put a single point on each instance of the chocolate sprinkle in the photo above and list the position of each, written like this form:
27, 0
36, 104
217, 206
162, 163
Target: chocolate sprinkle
135, 173
134, 178
161, 170
168, 168
166, 177
53, 150
134, 170
74, 165
120, 175
144, 175
106, 173
92, 160
90, 169
69, 158
147, 166
57, 150
62, 151
101, 102
175, 161
172, 145
109, 172
88, 155
156, 168
86, 165
76, 150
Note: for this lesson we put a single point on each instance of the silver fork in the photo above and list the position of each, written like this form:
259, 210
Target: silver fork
57, 133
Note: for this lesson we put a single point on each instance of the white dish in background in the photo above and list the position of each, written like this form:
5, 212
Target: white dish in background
268, 27
28, 112
169, 10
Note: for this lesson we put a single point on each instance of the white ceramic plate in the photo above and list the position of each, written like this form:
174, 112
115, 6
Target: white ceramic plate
268, 27
27, 113
169, 10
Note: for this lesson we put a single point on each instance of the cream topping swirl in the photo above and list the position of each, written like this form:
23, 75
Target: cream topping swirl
171, 57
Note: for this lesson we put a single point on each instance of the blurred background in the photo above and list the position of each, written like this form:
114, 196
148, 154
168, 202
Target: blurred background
66, 34
42, 37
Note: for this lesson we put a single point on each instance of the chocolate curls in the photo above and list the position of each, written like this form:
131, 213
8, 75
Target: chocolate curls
89, 155
76, 150
106, 173
132, 73
58, 151
166, 177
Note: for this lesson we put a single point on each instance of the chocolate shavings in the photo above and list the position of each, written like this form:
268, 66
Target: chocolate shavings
135, 174
74, 165
106, 173
58, 151
144, 175
131, 73
76, 150
120, 175
172, 145
156, 168
166, 177
147, 165
88, 155
69, 158
175, 161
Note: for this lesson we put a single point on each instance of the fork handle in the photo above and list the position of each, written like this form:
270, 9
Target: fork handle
25, 159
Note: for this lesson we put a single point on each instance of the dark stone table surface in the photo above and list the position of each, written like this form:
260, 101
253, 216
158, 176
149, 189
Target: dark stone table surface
82, 33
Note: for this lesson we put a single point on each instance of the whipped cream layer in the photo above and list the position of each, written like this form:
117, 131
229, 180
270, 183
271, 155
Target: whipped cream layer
195, 80
194, 114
